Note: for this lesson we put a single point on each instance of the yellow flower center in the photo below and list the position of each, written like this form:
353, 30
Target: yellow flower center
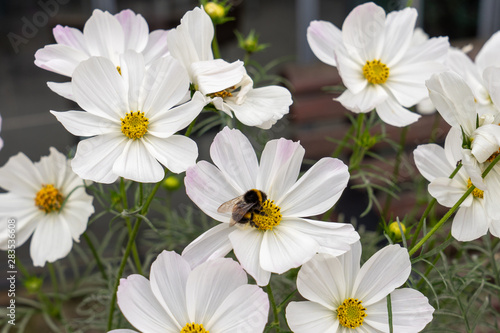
194, 328
493, 156
476, 192
375, 71
49, 199
351, 313
135, 125
268, 216
228, 92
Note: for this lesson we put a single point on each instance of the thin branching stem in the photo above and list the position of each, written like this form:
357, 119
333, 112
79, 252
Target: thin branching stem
96, 256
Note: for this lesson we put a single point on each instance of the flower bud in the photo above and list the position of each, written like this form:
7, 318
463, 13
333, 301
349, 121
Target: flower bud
395, 231
171, 183
33, 284
215, 11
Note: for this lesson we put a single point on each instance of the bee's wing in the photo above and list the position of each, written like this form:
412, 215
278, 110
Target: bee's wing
227, 207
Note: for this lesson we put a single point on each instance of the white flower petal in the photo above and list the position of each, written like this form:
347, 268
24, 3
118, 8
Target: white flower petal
493, 193
323, 37
69, 36
431, 51
137, 163
461, 63
95, 157
47, 164
488, 55
322, 280
76, 212
176, 153
81, 123
156, 47
492, 83
306, 317
386, 270
411, 312
366, 100
431, 161
59, 58
19, 176
168, 279
279, 167
486, 142
209, 284
470, 222
392, 113
27, 216
213, 243
245, 310
132, 70
234, 155
399, 27
134, 28
104, 36
247, 244
141, 308
215, 75
447, 191
350, 261
51, 240
317, 190
350, 70
284, 248
64, 89
123, 330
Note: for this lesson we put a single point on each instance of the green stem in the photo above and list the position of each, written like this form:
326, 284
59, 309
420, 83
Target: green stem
53, 277
135, 252
190, 128
389, 312
215, 45
276, 321
128, 249
358, 150
342, 144
96, 256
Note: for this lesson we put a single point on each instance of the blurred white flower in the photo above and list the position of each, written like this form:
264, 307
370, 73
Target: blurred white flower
132, 118
46, 199
213, 297
379, 61
226, 85
277, 236
342, 297
104, 35
1, 141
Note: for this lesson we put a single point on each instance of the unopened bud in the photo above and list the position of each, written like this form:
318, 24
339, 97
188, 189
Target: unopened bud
215, 10
395, 231
171, 183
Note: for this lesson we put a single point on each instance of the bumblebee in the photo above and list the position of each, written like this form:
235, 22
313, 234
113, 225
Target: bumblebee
244, 208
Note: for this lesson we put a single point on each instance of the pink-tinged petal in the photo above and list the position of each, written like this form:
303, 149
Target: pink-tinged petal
167, 123
156, 47
448, 191
132, 70
104, 36
135, 30
212, 244
323, 37
137, 163
202, 181
168, 279
386, 270
350, 70
60, 59
95, 157
234, 155
398, 31
493, 193
165, 85
488, 55
365, 101
215, 75
392, 113
363, 31
470, 222
99, 89
51, 240
209, 284
140, 306
19, 176
70, 36
176, 153
81, 123
411, 312
26, 215
306, 317
284, 248
262, 107
322, 280
317, 190
431, 161
247, 244
76, 212
279, 167
453, 99
245, 310
63, 89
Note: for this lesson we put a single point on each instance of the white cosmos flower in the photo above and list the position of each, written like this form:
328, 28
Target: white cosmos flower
103, 35
226, 85
46, 199
479, 212
342, 297
132, 119
285, 239
377, 61
213, 297
1, 141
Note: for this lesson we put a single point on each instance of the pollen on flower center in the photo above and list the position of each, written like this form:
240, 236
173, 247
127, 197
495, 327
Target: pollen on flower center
375, 71
228, 92
493, 156
193, 328
134, 125
476, 192
268, 216
351, 313
49, 199
119, 69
